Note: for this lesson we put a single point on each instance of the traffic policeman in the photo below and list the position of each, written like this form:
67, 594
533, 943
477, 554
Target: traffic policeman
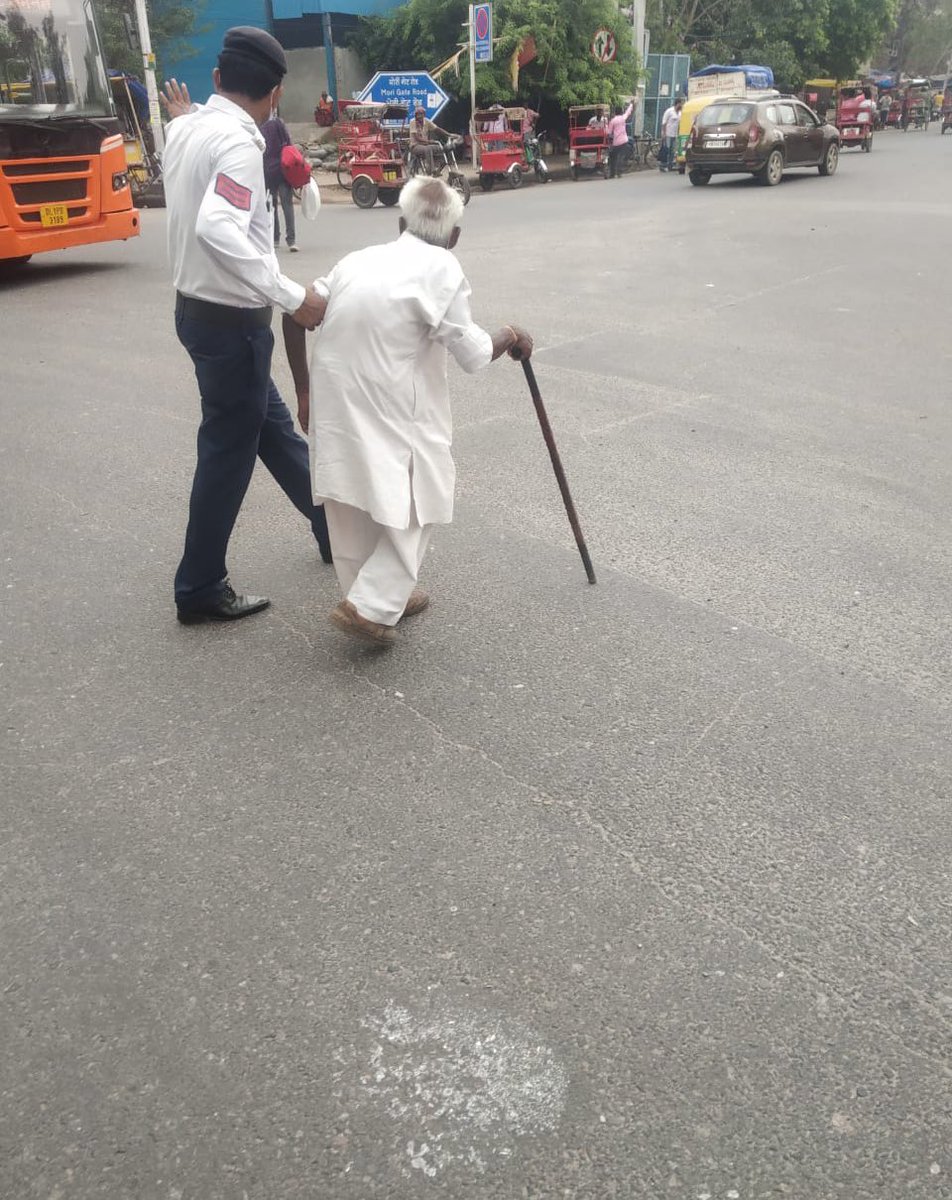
227, 283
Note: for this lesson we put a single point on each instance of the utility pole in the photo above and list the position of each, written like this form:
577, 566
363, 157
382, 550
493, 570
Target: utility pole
330, 60
471, 40
640, 45
148, 69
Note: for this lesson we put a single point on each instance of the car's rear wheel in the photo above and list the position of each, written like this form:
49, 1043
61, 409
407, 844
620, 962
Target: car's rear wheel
831, 159
388, 197
771, 172
698, 177
868, 144
514, 176
487, 182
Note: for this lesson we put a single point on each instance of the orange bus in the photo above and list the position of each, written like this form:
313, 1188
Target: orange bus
63, 179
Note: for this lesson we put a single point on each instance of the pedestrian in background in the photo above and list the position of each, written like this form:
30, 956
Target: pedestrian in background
276, 137
670, 125
227, 282
618, 137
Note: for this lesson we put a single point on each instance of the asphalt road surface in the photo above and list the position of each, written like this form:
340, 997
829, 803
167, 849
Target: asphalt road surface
635, 890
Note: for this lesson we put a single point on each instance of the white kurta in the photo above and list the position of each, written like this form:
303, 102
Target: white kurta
381, 425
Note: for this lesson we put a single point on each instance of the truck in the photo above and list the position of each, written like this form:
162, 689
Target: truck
64, 180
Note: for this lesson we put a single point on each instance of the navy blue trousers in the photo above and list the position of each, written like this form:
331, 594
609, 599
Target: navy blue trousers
243, 418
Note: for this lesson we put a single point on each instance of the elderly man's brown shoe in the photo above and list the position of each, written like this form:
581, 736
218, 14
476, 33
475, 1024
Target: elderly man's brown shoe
419, 600
348, 620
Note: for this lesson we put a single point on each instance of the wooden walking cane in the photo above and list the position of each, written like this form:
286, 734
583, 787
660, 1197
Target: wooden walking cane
557, 466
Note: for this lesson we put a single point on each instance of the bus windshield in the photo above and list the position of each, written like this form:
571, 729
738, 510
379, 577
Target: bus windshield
51, 64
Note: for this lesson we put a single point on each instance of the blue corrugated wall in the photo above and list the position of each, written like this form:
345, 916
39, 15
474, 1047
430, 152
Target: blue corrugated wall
215, 16
289, 10
212, 18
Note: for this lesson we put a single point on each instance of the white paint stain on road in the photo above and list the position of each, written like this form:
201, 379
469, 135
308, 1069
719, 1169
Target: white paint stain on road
460, 1085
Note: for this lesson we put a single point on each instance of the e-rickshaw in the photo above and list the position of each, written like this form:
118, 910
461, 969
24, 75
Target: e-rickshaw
370, 153
508, 147
142, 164
916, 108
856, 115
588, 139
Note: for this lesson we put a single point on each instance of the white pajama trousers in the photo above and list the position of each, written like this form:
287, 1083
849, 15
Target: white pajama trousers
377, 566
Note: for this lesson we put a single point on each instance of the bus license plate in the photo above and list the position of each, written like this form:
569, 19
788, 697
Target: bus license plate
54, 214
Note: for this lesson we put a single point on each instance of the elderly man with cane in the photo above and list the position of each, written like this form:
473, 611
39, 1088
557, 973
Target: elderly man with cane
376, 403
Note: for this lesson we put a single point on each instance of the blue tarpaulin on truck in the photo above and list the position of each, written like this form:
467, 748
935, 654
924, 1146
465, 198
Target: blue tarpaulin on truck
757, 77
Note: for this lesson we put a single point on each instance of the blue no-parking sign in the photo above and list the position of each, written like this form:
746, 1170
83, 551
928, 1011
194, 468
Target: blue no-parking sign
483, 32
415, 89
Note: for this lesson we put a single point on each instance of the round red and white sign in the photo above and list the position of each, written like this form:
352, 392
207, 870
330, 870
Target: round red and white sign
604, 46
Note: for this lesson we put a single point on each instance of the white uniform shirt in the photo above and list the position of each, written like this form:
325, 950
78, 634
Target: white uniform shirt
220, 227
381, 425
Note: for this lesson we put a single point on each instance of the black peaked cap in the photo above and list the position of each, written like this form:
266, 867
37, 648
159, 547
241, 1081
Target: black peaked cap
257, 45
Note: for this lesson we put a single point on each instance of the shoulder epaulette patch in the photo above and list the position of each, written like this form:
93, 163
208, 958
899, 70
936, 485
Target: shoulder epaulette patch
236, 195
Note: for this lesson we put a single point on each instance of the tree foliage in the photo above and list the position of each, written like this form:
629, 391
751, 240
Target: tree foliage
797, 38
924, 36
424, 33
170, 24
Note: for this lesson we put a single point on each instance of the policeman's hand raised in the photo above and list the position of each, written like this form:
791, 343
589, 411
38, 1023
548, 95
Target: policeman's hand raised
175, 99
311, 312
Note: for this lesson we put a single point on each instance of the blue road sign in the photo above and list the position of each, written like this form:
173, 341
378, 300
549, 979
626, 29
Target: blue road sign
483, 32
415, 89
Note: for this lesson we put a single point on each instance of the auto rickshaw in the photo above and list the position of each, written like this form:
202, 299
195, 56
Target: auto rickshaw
820, 95
856, 115
946, 111
588, 139
370, 153
508, 147
689, 112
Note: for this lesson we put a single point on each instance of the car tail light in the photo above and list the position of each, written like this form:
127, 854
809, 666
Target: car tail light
755, 133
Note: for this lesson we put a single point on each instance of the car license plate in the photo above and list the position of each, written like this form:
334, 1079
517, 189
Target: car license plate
851, 133
717, 143
53, 214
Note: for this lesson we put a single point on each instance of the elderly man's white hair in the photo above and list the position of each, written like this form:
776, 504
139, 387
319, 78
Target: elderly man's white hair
431, 209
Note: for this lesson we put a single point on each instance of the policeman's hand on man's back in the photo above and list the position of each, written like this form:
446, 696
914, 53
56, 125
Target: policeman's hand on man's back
311, 312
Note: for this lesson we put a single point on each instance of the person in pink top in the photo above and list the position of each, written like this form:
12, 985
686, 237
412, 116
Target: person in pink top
618, 137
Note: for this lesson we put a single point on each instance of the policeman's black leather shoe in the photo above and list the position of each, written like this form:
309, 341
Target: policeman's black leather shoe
229, 606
